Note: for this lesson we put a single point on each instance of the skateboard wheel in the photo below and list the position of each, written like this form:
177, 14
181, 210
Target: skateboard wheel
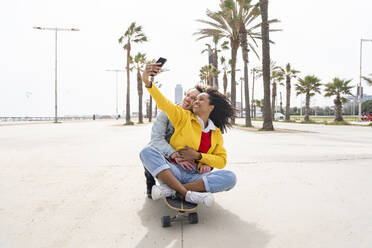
193, 218
165, 221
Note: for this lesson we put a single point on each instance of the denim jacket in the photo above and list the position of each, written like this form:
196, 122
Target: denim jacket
162, 131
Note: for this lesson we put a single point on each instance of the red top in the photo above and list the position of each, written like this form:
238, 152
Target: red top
205, 142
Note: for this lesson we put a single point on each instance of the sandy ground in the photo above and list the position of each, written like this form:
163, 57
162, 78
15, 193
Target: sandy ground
81, 184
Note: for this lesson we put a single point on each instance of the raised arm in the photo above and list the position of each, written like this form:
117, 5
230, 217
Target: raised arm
175, 113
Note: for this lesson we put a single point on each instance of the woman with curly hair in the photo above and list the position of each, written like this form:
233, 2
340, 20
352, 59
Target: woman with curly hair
197, 138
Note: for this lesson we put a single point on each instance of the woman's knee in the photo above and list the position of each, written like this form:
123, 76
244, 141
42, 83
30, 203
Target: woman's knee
231, 179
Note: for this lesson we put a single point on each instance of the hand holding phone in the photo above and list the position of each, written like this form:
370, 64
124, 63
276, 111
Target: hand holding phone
152, 70
161, 61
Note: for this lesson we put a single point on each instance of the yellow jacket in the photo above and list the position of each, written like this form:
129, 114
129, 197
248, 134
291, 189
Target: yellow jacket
187, 131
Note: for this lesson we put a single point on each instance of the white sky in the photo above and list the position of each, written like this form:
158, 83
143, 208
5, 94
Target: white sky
319, 37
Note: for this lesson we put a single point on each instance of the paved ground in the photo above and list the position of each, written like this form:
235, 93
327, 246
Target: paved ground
80, 184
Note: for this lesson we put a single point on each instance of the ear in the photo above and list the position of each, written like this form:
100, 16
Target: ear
211, 107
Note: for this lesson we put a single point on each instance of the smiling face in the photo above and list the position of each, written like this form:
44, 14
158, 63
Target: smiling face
189, 99
201, 105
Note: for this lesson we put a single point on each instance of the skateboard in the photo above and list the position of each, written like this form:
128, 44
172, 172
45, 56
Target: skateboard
185, 210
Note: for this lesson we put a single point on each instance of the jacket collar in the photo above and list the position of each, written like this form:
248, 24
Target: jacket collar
210, 125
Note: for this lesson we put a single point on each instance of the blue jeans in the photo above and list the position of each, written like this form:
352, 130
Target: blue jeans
214, 181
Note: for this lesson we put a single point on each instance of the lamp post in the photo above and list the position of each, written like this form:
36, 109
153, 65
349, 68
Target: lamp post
359, 93
116, 76
55, 62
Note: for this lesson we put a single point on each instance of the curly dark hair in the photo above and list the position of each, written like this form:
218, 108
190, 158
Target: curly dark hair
200, 87
223, 111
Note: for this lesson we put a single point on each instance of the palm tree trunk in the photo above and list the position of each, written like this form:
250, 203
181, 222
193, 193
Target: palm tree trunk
307, 107
338, 109
288, 99
268, 121
224, 83
140, 94
234, 50
127, 117
281, 103
248, 121
273, 107
150, 109
215, 64
253, 107
244, 46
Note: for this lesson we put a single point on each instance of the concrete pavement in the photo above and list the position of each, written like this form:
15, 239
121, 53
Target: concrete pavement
80, 184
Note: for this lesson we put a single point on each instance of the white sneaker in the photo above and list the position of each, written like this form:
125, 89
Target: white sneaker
161, 191
196, 197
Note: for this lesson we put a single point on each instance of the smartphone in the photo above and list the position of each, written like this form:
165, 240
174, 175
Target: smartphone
161, 61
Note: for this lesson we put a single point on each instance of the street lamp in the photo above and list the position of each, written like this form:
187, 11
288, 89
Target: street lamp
116, 75
359, 93
55, 63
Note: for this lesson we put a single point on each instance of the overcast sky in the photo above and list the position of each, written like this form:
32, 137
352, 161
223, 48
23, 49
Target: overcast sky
319, 37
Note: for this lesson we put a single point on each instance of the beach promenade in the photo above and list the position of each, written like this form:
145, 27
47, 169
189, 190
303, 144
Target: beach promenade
81, 184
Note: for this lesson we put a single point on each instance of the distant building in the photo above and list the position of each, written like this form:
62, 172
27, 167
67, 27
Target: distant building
178, 94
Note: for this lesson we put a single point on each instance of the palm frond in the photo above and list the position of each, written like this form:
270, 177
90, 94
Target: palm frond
216, 25
208, 32
368, 80
254, 50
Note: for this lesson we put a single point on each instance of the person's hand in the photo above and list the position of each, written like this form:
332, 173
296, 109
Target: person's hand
150, 70
204, 168
189, 154
174, 155
186, 165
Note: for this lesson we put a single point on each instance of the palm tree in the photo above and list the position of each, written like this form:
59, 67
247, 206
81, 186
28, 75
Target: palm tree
241, 97
308, 86
338, 87
281, 103
275, 74
133, 34
288, 73
207, 73
203, 75
254, 76
139, 61
225, 25
246, 13
258, 103
214, 51
268, 121
225, 69
276, 78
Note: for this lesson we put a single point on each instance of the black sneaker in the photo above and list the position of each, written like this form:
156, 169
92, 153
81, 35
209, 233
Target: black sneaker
150, 181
